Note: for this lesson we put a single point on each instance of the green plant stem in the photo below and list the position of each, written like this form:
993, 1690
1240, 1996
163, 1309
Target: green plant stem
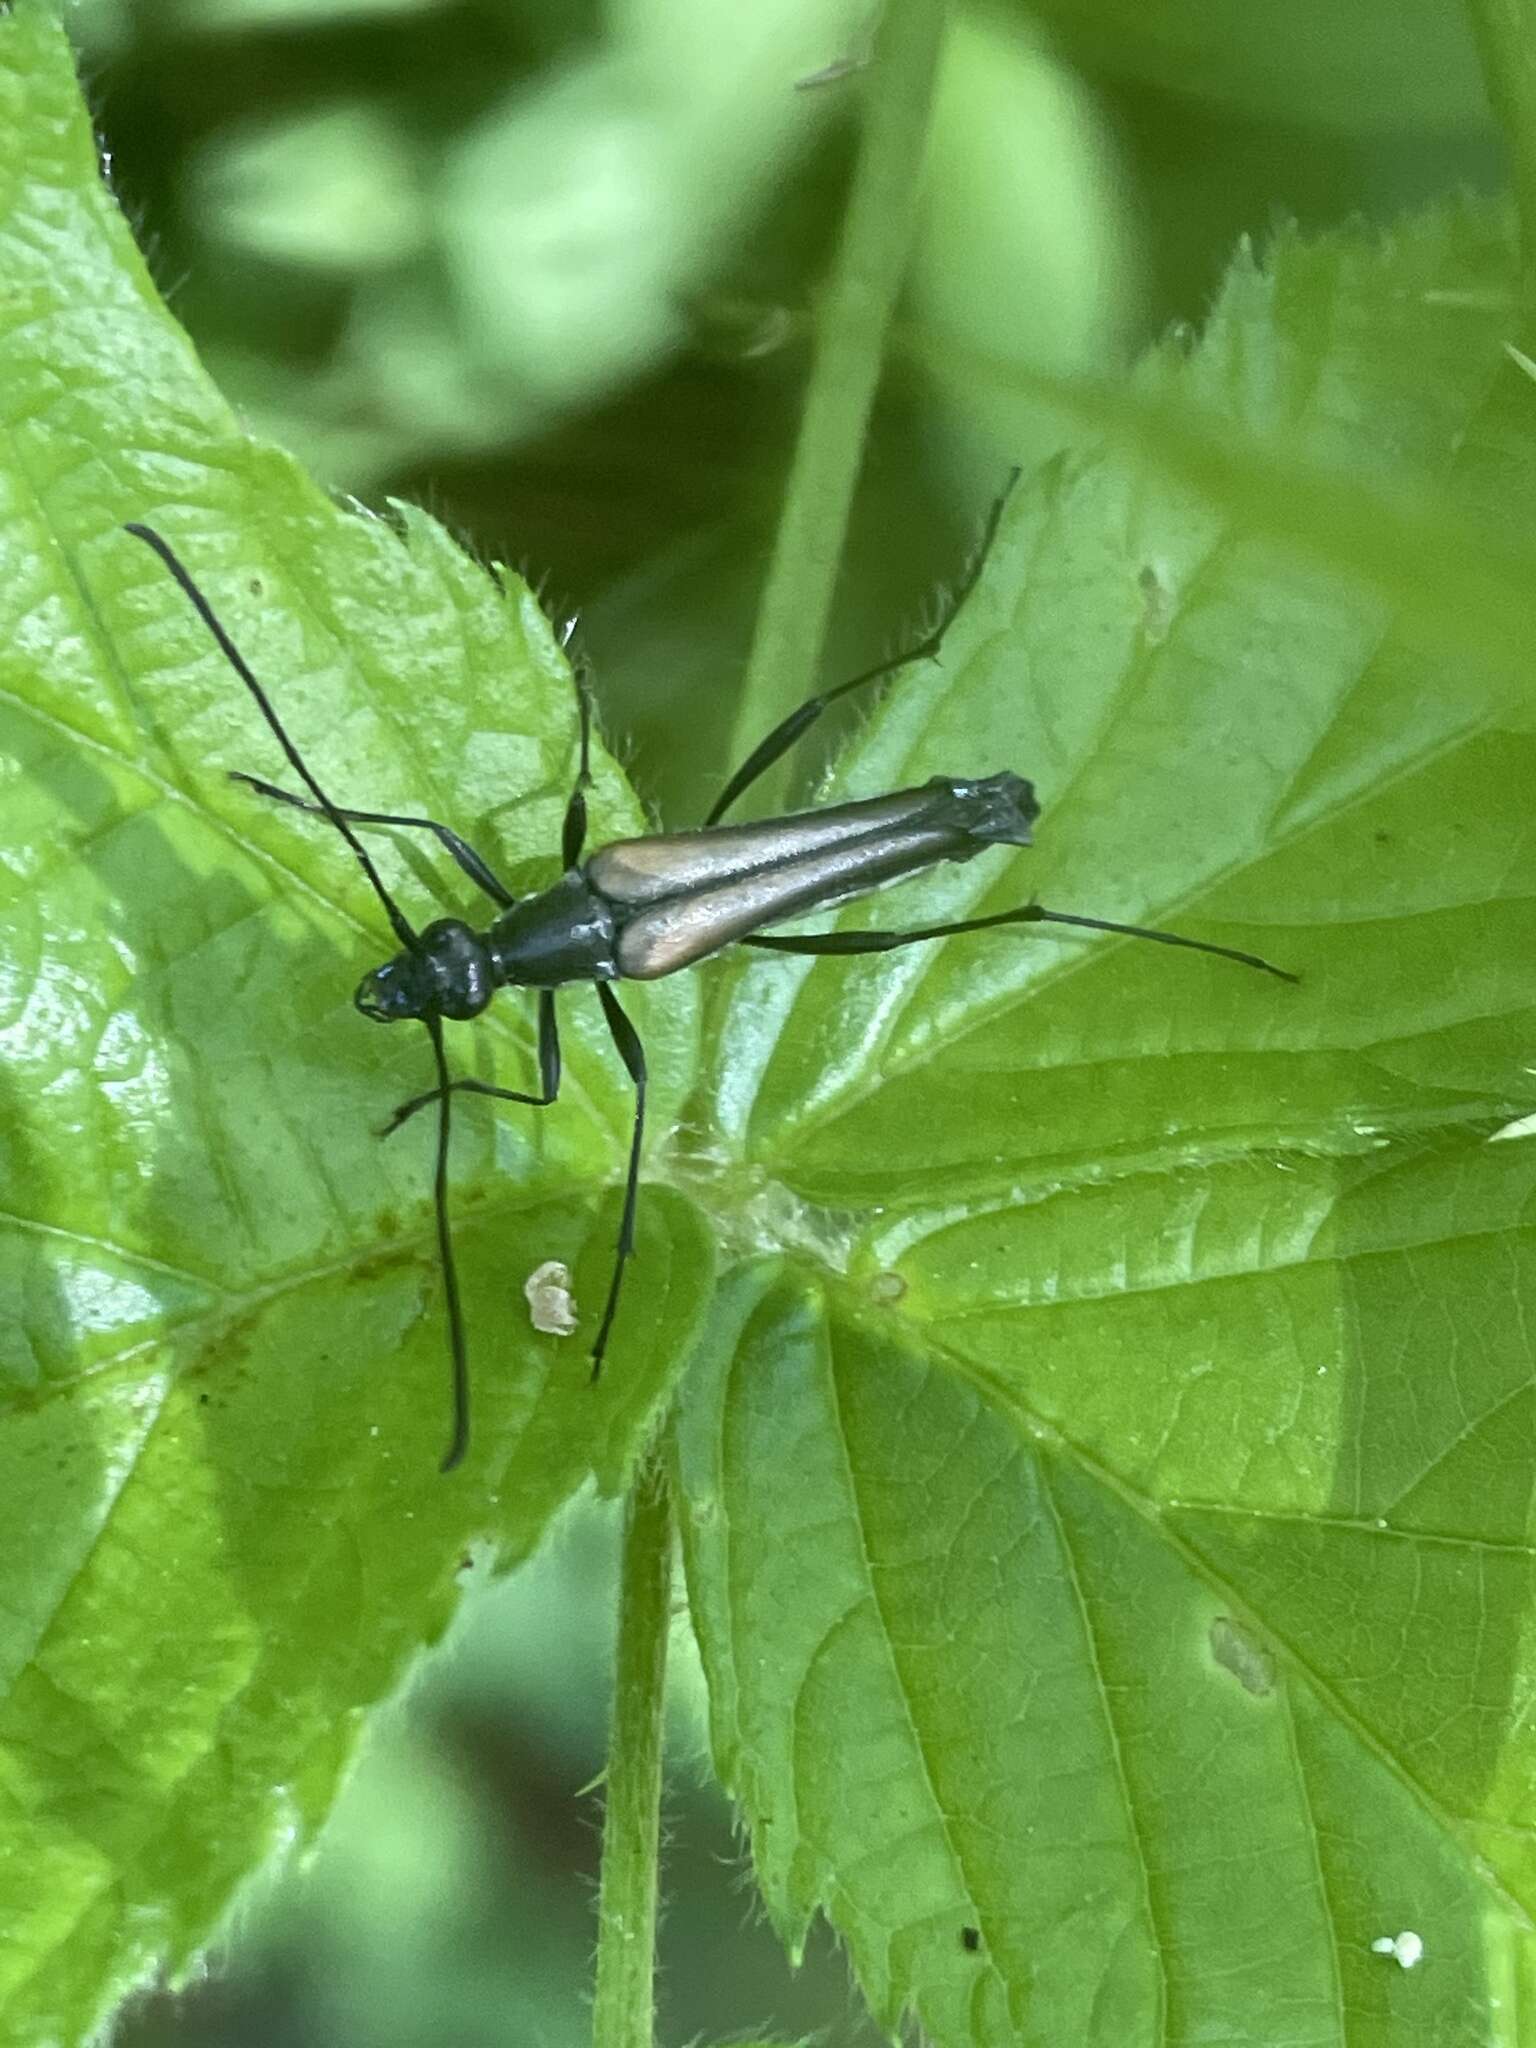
624, 2006
849, 342
1506, 38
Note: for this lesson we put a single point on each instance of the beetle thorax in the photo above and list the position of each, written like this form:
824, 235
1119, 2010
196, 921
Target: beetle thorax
563, 934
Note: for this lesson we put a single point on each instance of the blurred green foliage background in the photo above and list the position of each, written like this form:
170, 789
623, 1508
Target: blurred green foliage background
548, 270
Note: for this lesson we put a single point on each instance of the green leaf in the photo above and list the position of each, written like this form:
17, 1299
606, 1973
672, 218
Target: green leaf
223, 1364
1111, 1529
1380, 64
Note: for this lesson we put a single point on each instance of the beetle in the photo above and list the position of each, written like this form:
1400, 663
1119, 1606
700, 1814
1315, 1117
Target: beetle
640, 909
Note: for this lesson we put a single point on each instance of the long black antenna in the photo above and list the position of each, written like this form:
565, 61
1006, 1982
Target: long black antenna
241, 667
459, 1440
458, 1351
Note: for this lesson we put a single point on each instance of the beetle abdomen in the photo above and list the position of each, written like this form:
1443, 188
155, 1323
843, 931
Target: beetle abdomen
679, 911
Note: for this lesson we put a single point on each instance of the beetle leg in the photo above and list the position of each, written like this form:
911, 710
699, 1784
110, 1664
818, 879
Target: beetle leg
477, 869
1028, 913
549, 1075
788, 730
573, 832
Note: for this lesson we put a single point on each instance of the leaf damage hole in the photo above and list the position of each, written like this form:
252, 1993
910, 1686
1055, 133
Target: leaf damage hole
1156, 604
1235, 1650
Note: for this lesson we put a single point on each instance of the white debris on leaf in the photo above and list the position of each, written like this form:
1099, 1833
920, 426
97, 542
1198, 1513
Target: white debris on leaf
548, 1291
1407, 1947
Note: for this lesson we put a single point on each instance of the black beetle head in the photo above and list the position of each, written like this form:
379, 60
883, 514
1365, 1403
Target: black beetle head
448, 974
